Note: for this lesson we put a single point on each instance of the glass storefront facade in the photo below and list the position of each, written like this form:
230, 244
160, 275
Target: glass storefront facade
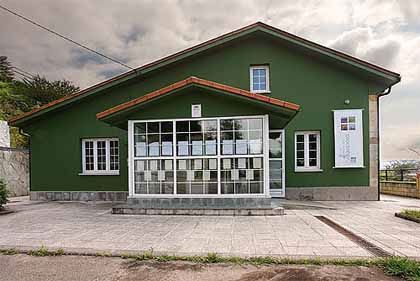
209, 156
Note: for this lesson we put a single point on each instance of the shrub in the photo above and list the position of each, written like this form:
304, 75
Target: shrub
4, 193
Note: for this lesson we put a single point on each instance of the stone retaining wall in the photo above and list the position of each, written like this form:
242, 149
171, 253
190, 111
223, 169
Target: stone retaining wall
14, 170
400, 188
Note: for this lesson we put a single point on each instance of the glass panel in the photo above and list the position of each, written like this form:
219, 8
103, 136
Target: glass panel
276, 185
198, 164
197, 143
167, 144
101, 155
210, 140
275, 145
226, 125
255, 124
257, 163
140, 128
153, 144
210, 125
256, 187
241, 124
183, 144
255, 147
227, 143
153, 127
114, 155
242, 163
275, 169
195, 126
89, 156
182, 164
241, 188
241, 147
140, 146
182, 126
212, 164
227, 188
197, 179
312, 137
153, 176
166, 127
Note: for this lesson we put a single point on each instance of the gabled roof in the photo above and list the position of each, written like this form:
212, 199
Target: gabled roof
390, 78
200, 82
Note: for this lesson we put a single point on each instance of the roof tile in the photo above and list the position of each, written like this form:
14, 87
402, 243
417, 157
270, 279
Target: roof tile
198, 81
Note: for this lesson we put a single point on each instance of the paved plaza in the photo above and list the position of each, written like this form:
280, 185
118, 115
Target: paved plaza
90, 227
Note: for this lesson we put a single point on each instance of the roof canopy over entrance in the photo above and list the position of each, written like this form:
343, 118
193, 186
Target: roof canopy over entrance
174, 101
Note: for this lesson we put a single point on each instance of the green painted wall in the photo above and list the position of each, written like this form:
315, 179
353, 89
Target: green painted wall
319, 87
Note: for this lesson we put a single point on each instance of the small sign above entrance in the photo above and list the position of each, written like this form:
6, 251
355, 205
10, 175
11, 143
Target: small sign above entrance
195, 110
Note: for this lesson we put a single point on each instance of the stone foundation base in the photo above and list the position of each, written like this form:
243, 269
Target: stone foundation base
202, 203
128, 209
120, 196
356, 193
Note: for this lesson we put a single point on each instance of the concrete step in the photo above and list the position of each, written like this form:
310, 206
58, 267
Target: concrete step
201, 203
130, 209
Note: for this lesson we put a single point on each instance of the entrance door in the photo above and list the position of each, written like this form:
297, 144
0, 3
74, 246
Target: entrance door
276, 159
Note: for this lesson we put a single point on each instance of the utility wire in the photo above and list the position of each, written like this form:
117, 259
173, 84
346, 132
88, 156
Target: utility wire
66, 38
22, 74
23, 71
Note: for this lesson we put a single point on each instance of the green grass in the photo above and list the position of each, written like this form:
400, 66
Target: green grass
43, 252
394, 266
401, 267
411, 213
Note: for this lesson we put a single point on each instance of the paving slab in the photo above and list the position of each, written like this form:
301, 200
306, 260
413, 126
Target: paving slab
91, 226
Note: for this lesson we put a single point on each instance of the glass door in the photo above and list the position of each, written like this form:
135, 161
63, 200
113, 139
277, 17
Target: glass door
276, 163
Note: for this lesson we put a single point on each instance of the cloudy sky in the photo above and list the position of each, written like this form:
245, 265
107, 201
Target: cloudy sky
384, 32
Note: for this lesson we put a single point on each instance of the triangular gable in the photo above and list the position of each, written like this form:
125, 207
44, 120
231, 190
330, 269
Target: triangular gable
389, 77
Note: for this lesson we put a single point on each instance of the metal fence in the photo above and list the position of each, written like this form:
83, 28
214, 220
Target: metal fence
407, 175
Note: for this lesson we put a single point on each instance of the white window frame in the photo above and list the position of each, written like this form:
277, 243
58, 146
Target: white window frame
95, 171
267, 78
308, 168
276, 192
219, 156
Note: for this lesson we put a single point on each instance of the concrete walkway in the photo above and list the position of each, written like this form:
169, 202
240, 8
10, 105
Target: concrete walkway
88, 227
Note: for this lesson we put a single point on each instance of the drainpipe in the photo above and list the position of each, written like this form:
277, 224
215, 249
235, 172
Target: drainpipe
21, 132
384, 93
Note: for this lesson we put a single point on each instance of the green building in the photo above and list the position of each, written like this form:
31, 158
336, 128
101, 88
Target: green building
253, 114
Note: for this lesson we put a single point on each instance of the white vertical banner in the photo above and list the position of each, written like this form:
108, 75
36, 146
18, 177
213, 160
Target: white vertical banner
348, 136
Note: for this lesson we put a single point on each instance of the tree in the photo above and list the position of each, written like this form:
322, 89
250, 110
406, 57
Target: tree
6, 73
17, 97
402, 165
40, 91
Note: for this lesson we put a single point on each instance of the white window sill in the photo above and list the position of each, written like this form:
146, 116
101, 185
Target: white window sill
99, 174
350, 167
260, 92
308, 170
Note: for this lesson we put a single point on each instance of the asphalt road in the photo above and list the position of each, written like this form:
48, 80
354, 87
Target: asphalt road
77, 268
